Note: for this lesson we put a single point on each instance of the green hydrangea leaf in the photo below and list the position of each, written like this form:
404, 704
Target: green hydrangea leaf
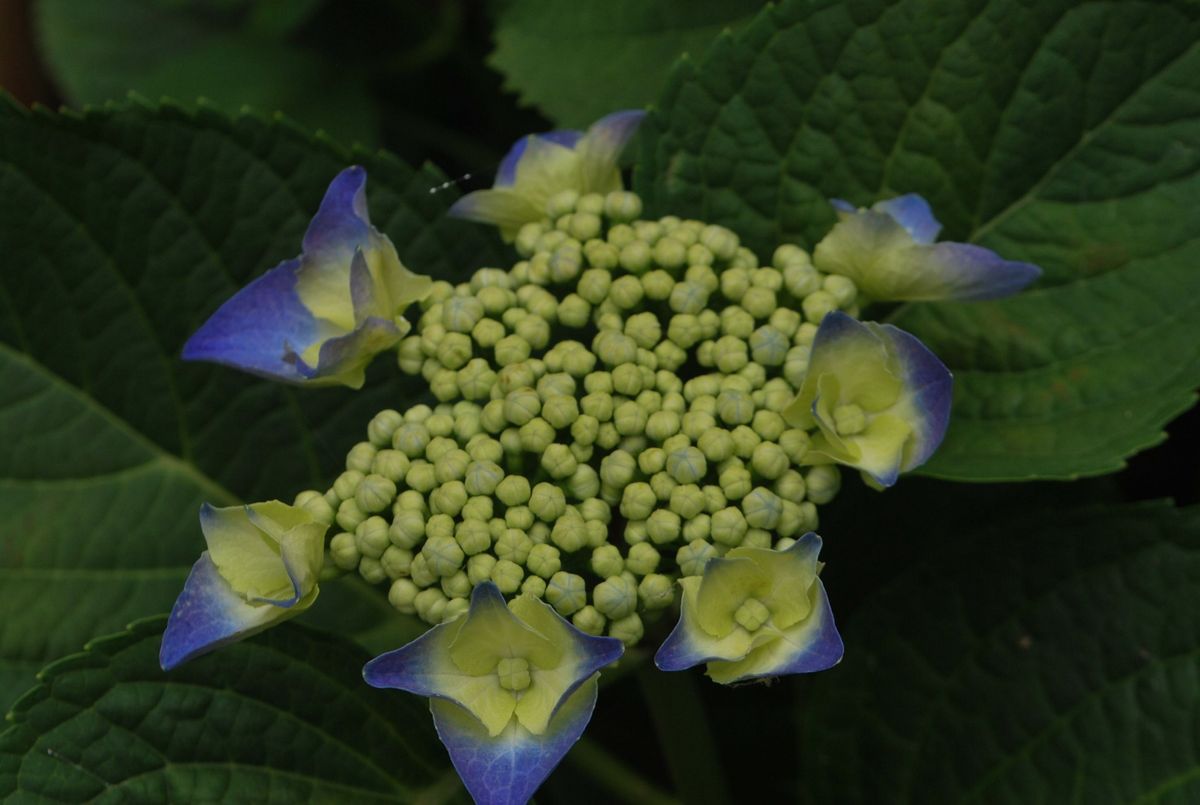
579, 61
282, 718
233, 55
1058, 133
1040, 659
121, 231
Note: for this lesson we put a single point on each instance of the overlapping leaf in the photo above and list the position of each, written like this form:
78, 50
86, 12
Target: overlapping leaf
120, 231
1061, 133
284, 718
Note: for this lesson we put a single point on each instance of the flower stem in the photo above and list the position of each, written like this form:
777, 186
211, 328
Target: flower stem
684, 736
622, 782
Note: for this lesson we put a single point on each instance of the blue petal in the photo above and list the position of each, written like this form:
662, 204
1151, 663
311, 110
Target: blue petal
679, 652
508, 769
507, 173
914, 214
341, 224
931, 387
841, 205
255, 329
973, 273
208, 614
417, 667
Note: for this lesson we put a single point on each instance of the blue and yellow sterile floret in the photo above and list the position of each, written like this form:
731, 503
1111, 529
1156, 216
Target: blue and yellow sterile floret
890, 254
755, 613
320, 318
539, 167
511, 688
260, 569
879, 397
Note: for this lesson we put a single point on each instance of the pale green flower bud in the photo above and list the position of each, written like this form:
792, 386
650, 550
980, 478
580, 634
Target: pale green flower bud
454, 350
440, 425
482, 477
533, 330
583, 483
409, 356
566, 592
656, 591
769, 425
536, 435
583, 226
492, 416
449, 498
744, 258
735, 407
411, 439
451, 466
663, 485
431, 336
767, 277
769, 346
626, 292
431, 605
627, 379
692, 557
515, 376
487, 333
444, 385
629, 630
663, 526
473, 536
757, 538
615, 597
651, 460
823, 483
621, 206
745, 440
635, 532
662, 424
637, 501
688, 297
817, 304
390, 464
676, 442
478, 508
594, 285
694, 424
456, 586
578, 362
795, 443
574, 311
598, 383
769, 461
343, 549
687, 465
443, 555
345, 485
714, 498
569, 533
420, 572
720, 241
561, 203
607, 437
648, 399
522, 406
629, 418
790, 486
460, 314
349, 515
784, 543
547, 502
716, 444
734, 283
359, 459
514, 545
475, 380
729, 527
669, 253
495, 300
402, 594
507, 576
657, 285
559, 462
602, 255
701, 274
670, 355
479, 568
439, 525
316, 505
543, 560
735, 483
791, 519
589, 621
841, 288
710, 323
759, 302
687, 501
614, 348
513, 490
635, 257
730, 354
371, 537
407, 529
786, 321
684, 330
606, 561
527, 237
736, 322
512, 349
697, 528
762, 508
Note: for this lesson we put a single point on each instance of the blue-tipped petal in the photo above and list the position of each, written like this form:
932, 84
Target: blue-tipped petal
251, 329
507, 172
914, 214
600, 149
208, 614
509, 768
973, 273
341, 224
929, 386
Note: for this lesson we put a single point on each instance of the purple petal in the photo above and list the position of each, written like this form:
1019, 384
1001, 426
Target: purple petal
507, 173
208, 614
914, 214
508, 769
341, 223
931, 387
973, 273
255, 328
841, 205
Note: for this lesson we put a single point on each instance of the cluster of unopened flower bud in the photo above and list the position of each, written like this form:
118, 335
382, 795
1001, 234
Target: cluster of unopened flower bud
609, 419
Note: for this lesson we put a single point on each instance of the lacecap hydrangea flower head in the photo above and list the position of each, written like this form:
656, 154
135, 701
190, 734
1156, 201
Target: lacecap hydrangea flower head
634, 427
